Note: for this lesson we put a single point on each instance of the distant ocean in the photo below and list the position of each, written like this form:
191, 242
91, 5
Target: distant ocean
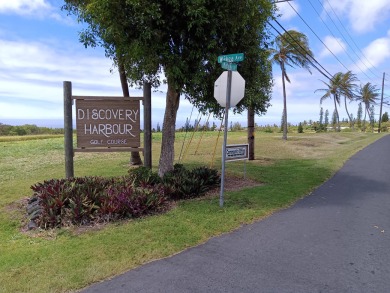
59, 123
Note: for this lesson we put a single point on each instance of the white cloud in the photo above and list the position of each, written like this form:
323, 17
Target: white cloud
32, 75
36, 9
335, 45
23, 7
377, 52
286, 11
363, 15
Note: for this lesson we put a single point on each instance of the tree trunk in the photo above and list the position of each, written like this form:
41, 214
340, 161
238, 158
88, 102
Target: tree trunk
284, 104
251, 133
337, 115
364, 121
346, 109
168, 131
135, 158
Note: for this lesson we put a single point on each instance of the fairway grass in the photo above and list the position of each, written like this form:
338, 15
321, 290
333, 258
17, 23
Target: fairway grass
68, 259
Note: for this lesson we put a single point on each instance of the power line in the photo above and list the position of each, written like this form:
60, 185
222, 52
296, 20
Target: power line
318, 37
337, 40
350, 35
305, 54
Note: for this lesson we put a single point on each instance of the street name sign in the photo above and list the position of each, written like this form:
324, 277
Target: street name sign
238, 57
229, 66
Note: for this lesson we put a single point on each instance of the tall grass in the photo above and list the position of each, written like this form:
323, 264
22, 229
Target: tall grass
69, 259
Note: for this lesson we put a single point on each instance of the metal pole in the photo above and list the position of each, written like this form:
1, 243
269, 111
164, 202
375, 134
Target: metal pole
380, 112
68, 130
228, 92
147, 125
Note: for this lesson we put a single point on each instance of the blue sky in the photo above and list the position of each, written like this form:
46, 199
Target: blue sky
39, 49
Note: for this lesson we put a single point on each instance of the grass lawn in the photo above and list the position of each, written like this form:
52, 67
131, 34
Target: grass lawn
68, 259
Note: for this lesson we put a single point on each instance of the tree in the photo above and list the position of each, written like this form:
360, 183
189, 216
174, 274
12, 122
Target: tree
288, 51
300, 128
181, 40
321, 116
326, 118
372, 116
335, 120
282, 122
359, 115
347, 90
341, 84
368, 95
385, 117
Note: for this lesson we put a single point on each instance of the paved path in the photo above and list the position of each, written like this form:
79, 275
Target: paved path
335, 240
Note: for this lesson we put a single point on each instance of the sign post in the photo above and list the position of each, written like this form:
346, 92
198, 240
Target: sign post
228, 91
228, 62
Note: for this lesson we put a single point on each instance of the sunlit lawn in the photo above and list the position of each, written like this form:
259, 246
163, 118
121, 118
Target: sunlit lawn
68, 259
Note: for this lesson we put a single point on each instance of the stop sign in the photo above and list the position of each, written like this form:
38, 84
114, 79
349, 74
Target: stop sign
237, 89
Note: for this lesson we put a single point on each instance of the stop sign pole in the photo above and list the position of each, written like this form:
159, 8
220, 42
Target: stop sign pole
228, 93
228, 62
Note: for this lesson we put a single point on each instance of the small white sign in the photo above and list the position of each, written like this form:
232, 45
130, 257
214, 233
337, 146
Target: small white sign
235, 152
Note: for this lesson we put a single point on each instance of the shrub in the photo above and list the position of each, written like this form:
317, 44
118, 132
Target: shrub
80, 201
181, 183
143, 176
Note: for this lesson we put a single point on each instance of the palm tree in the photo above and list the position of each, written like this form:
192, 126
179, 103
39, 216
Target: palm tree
348, 88
341, 84
291, 48
368, 95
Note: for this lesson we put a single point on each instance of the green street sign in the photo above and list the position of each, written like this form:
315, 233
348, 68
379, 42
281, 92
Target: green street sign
229, 66
238, 57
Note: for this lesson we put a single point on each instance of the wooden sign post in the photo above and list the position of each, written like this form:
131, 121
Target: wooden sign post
104, 124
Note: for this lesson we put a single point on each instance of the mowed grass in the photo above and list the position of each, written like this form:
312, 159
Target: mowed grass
65, 260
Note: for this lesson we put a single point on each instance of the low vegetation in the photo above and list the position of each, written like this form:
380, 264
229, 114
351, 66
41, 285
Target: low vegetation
27, 129
91, 200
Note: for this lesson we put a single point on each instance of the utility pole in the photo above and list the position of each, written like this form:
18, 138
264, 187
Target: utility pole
380, 111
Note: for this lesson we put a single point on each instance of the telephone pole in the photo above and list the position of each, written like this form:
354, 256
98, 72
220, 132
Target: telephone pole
380, 111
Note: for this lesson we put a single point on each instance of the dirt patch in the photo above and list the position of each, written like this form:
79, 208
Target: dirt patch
235, 183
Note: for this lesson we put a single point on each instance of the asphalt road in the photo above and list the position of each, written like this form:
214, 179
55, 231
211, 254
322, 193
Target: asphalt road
335, 240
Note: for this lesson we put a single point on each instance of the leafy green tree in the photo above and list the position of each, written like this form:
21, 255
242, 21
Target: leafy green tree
300, 128
385, 117
288, 51
341, 84
368, 95
179, 42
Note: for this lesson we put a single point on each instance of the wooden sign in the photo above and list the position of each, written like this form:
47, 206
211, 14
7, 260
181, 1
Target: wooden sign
108, 123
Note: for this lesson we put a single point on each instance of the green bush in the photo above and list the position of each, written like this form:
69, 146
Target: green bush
143, 176
181, 183
81, 201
